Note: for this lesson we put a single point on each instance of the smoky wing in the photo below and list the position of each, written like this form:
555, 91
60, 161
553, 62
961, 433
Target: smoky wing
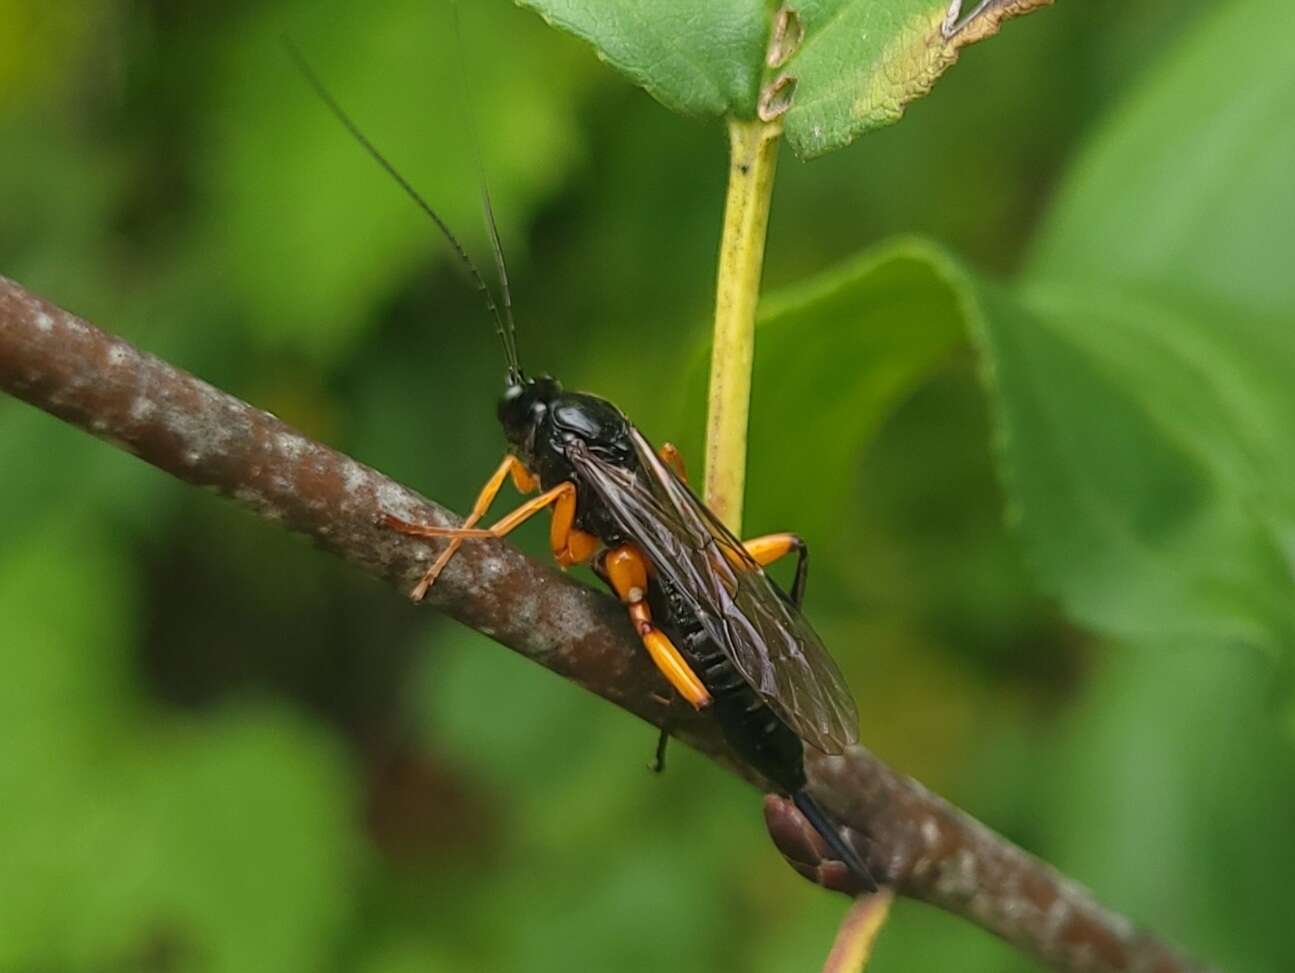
767, 639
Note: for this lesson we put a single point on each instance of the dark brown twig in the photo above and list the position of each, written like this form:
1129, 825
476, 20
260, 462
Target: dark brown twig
917, 842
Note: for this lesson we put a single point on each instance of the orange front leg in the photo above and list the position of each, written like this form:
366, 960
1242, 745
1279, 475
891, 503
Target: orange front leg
570, 545
626, 570
523, 479
500, 528
510, 467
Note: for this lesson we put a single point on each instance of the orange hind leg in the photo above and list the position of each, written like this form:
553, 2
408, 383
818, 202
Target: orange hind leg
626, 571
773, 547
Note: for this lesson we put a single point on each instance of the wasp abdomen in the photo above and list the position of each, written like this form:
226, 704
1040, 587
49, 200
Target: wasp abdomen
751, 728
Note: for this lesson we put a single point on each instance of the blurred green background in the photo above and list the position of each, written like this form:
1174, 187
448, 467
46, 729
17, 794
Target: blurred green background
222, 750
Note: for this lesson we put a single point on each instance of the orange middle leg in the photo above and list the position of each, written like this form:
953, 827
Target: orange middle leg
570, 544
626, 570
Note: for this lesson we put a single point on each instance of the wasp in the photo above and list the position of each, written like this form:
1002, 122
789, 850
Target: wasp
723, 633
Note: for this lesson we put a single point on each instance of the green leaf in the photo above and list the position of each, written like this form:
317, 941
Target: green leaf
859, 62
232, 839
1143, 448
695, 58
862, 61
62, 701
1142, 372
1188, 189
68, 597
304, 229
128, 833
853, 342
1142, 454
1171, 777
1142, 439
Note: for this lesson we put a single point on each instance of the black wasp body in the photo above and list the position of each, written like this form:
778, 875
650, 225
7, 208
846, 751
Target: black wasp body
721, 632
549, 428
750, 727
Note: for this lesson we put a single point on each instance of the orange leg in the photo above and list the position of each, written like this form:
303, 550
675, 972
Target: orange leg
672, 458
626, 570
511, 467
523, 479
500, 528
771, 547
570, 544
763, 550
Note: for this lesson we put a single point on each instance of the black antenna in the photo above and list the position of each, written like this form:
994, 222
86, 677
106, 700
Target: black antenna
506, 334
488, 210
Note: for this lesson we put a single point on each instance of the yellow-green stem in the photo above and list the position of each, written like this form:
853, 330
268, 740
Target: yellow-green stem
858, 933
753, 156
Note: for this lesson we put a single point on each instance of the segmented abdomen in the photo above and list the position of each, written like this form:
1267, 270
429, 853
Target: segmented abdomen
751, 728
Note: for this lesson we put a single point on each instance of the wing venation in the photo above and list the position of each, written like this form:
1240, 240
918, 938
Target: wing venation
768, 640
